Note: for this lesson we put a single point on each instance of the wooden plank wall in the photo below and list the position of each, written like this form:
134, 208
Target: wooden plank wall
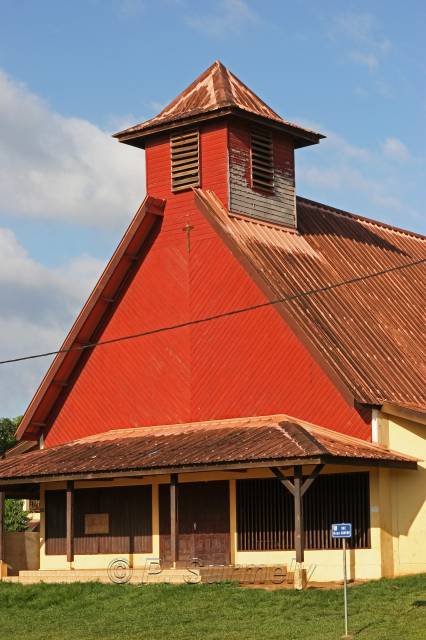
130, 521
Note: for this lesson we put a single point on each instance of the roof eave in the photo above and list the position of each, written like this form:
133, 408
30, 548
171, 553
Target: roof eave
230, 467
136, 137
405, 412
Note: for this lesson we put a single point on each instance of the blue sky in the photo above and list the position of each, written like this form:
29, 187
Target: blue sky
71, 73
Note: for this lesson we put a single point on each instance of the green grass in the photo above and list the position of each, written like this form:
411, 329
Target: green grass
382, 610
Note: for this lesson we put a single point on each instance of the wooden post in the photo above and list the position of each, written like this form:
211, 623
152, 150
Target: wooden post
70, 521
299, 530
297, 489
174, 524
2, 557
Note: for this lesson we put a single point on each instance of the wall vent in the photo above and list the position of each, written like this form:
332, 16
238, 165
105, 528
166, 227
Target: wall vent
262, 161
185, 160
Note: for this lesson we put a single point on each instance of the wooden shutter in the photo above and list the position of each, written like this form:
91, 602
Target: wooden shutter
129, 515
262, 160
56, 528
185, 160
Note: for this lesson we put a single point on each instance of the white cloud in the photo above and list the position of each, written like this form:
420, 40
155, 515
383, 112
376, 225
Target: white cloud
53, 167
350, 180
362, 36
131, 8
231, 16
334, 141
364, 179
367, 59
38, 307
396, 149
341, 145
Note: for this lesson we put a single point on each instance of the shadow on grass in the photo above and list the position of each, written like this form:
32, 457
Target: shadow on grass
419, 603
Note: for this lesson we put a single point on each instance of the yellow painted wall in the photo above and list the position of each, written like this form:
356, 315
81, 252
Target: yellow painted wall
405, 526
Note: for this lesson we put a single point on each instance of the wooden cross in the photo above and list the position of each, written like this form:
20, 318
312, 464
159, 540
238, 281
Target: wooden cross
188, 228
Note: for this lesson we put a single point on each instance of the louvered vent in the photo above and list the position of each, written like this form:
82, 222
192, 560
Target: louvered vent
262, 161
185, 160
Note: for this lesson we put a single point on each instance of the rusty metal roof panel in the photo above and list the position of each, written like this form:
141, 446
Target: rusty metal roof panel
215, 89
227, 442
371, 332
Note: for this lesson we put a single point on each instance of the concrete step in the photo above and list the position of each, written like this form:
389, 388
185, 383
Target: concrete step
139, 571
137, 576
245, 574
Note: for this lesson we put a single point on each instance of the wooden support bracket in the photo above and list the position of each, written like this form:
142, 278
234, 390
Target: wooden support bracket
289, 484
297, 489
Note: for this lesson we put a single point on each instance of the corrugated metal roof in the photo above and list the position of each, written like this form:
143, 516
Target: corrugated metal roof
371, 332
190, 446
217, 88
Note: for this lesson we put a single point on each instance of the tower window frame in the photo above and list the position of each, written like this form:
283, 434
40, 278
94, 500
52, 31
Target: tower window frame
185, 160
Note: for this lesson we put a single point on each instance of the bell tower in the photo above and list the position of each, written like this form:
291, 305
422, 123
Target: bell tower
219, 135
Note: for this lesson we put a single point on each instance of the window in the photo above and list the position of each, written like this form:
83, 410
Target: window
265, 512
262, 161
185, 160
106, 520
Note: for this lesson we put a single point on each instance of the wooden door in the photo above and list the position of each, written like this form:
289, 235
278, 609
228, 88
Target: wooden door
203, 515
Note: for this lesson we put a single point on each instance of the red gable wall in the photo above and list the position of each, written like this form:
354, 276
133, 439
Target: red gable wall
243, 365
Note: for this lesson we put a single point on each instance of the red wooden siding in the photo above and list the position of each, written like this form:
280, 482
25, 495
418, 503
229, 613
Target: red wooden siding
250, 364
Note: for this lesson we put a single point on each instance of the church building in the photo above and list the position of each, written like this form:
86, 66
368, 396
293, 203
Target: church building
248, 370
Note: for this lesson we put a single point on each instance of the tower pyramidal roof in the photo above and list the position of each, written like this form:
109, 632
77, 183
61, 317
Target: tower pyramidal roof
215, 93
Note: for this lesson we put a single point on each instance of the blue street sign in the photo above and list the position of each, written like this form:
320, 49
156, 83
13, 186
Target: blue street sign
341, 530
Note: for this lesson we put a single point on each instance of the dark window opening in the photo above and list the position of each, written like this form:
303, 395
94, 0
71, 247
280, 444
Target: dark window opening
265, 513
262, 161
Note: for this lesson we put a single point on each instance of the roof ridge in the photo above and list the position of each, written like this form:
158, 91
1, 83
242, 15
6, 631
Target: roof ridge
247, 421
358, 216
286, 428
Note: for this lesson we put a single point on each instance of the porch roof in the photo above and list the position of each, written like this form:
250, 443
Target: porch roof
226, 444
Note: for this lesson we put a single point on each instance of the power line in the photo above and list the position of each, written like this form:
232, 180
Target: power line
225, 314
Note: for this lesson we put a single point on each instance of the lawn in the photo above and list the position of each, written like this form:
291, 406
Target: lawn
382, 610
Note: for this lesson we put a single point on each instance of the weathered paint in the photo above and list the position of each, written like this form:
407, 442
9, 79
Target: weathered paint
250, 364
279, 206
